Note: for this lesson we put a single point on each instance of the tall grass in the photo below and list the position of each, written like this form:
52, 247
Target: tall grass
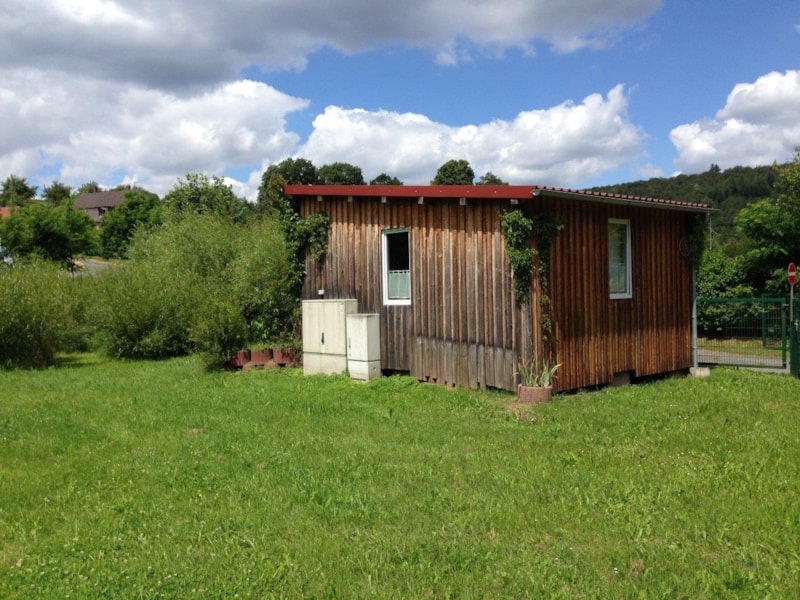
145, 480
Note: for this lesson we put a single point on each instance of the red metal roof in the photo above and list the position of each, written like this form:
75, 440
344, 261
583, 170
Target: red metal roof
485, 192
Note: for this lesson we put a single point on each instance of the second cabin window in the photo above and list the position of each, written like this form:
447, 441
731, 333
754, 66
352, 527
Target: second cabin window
619, 258
396, 267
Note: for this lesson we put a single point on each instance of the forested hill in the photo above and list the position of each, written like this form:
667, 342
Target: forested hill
728, 191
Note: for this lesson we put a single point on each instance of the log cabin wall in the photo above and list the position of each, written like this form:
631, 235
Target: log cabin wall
463, 326
597, 337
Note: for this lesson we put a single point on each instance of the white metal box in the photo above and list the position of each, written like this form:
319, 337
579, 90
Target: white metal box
325, 335
364, 346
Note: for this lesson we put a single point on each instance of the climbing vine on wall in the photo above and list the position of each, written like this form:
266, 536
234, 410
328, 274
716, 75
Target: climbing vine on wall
517, 230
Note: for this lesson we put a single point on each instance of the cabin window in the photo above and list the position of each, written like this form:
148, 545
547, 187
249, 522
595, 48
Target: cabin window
396, 267
619, 258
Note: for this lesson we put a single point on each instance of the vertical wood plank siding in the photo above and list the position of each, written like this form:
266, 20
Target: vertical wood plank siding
463, 326
597, 337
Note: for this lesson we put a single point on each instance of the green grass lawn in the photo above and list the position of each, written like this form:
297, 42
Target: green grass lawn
146, 480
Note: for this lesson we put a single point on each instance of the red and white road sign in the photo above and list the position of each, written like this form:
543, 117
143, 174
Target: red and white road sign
792, 272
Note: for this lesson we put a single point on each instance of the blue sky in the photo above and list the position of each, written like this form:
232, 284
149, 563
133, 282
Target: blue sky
570, 93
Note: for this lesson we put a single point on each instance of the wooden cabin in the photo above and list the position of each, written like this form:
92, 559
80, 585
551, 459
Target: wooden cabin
431, 260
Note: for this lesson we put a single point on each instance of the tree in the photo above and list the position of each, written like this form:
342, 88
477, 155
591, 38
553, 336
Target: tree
15, 191
340, 173
771, 229
141, 210
384, 179
90, 187
293, 170
196, 194
57, 234
490, 178
56, 193
454, 172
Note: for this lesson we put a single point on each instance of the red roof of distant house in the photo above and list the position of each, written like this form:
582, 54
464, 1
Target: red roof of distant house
5, 211
499, 192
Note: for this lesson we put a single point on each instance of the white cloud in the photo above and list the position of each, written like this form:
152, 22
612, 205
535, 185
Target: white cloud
759, 124
124, 90
194, 42
563, 145
90, 130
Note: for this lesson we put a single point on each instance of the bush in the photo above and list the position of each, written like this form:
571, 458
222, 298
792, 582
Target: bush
40, 314
146, 311
203, 283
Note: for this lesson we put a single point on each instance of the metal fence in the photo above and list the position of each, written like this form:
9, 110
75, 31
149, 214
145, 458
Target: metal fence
745, 332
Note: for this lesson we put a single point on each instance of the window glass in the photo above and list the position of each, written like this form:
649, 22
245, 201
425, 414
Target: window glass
396, 267
619, 258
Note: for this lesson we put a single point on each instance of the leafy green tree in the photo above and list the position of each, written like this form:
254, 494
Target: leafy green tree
340, 173
57, 234
196, 194
15, 191
298, 171
141, 211
90, 187
454, 172
721, 276
490, 178
771, 229
384, 179
56, 193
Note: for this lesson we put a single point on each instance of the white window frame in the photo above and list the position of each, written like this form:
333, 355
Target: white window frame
385, 267
628, 293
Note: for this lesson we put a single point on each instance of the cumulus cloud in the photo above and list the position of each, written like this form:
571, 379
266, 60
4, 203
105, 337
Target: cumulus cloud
194, 42
759, 124
89, 130
142, 90
563, 145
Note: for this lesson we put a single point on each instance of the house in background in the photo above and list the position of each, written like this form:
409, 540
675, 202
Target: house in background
432, 262
5, 212
97, 204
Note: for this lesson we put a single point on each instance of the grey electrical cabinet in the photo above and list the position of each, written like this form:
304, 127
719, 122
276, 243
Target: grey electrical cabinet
325, 335
364, 346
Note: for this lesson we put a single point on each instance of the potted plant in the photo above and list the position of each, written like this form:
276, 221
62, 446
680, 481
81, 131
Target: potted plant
536, 383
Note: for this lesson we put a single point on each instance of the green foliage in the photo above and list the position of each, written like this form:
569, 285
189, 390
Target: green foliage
90, 187
728, 191
721, 276
536, 373
218, 329
517, 229
292, 170
696, 239
196, 194
202, 283
304, 237
141, 210
454, 172
384, 179
40, 310
340, 173
57, 193
56, 234
15, 191
490, 178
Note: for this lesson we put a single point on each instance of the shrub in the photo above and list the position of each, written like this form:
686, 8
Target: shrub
39, 313
203, 283
146, 311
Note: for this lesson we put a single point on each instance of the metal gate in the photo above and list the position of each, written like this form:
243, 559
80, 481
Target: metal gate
746, 332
